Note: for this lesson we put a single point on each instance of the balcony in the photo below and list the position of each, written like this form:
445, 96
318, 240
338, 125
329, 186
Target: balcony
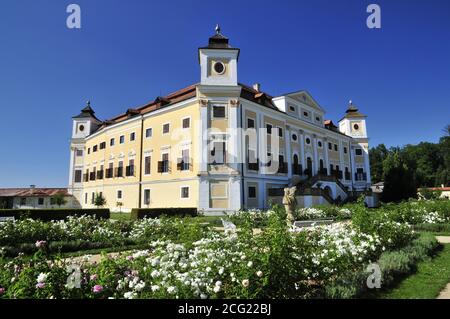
183, 164
163, 166
118, 172
253, 166
109, 173
100, 174
296, 169
282, 168
129, 170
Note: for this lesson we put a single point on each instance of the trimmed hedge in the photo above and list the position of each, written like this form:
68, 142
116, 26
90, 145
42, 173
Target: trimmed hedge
437, 228
54, 214
139, 213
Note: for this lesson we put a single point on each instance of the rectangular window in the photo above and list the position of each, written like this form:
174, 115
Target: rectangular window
166, 128
78, 176
292, 108
250, 123
130, 168
345, 150
111, 142
280, 132
102, 145
218, 153
335, 147
132, 136
23, 201
146, 197
122, 139
92, 198
148, 132
218, 111
185, 192
79, 153
119, 194
110, 170
251, 192
85, 198
89, 150
183, 162
119, 170
330, 146
40, 201
94, 149
269, 128
187, 122
163, 165
358, 151
147, 165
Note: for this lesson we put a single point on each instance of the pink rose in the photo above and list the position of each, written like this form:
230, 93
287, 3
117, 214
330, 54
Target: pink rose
2, 291
40, 285
97, 289
93, 277
40, 243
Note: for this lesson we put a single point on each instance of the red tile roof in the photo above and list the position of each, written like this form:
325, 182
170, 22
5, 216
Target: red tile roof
32, 192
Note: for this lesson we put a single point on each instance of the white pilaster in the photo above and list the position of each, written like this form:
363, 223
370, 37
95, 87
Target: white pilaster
287, 140
302, 150
316, 160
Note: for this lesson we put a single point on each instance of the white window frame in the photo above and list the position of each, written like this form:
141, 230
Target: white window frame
162, 128
151, 132
246, 122
190, 123
143, 196
133, 133
256, 192
181, 192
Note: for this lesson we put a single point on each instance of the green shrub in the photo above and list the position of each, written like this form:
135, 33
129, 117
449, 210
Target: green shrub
139, 213
53, 214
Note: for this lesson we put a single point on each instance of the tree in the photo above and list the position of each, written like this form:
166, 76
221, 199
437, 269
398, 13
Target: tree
99, 200
399, 183
376, 157
59, 199
119, 204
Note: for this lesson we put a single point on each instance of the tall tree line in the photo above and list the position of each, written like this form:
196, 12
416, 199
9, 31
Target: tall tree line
404, 169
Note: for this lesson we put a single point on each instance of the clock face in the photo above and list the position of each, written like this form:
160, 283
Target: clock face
219, 67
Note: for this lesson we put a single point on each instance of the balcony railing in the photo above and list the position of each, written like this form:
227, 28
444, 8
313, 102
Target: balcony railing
100, 174
129, 170
253, 166
118, 171
183, 164
282, 168
297, 169
109, 173
163, 166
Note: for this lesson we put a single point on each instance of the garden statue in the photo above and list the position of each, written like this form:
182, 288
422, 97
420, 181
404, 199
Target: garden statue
290, 203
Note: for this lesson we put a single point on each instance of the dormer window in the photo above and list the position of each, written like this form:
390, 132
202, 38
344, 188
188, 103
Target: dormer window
81, 128
306, 114
292, 108
356, 127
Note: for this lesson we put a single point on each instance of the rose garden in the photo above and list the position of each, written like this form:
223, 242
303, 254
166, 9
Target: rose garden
194, 257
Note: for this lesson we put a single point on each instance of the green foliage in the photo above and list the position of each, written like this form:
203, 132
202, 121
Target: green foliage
54, 214
99, 200
399, 183
430, 194
59, 198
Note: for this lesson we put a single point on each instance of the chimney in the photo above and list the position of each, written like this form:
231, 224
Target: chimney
32, 187
257, 87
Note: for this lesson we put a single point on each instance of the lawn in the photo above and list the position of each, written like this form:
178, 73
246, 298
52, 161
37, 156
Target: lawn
431, 277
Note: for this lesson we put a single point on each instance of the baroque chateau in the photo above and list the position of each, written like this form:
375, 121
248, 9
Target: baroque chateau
217, 146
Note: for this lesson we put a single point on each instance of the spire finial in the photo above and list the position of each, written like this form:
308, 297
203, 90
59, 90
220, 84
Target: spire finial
350, 102
217, 29
88, 103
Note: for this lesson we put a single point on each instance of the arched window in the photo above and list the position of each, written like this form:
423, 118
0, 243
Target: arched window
296, 167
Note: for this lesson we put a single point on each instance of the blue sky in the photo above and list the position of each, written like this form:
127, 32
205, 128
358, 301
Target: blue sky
129, 52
